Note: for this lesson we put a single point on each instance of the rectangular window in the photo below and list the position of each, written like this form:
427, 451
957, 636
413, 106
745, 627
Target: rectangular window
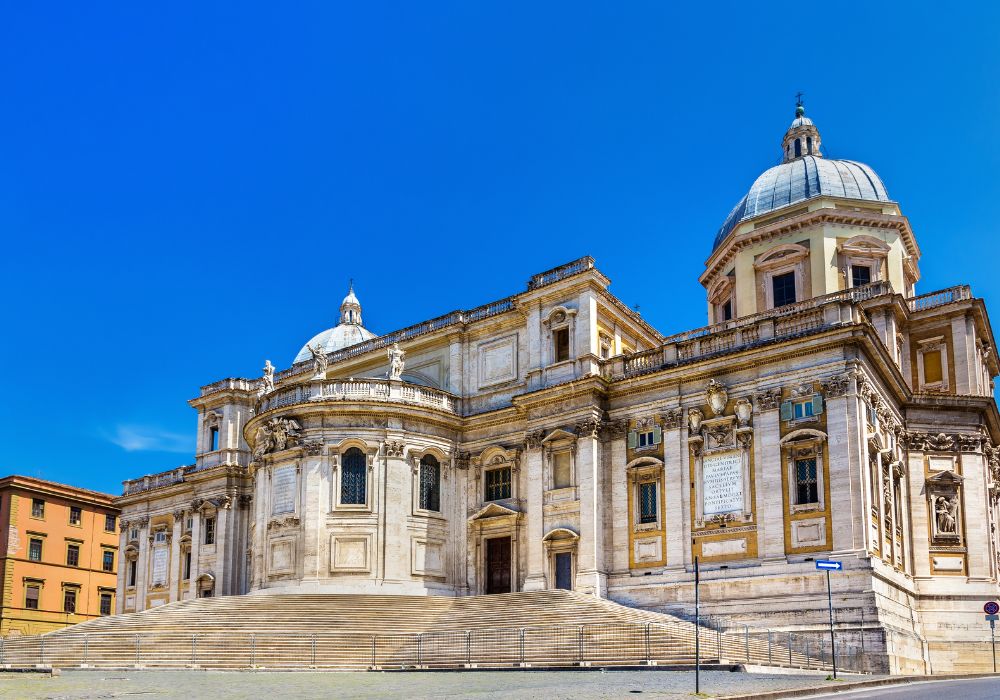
860, 275
132, 571
73, 555
561, 340
75, 515
783, 289
105, 603
647, 503
108, 564
133, 534
806, 487
209, 530
160, 536
35, 549
562, 476
213, 439
187, 565
109, 523
803, 409
69, 600
37, 508
933, 367
354, 484
31, 594
645, 439
498, 484
188, 524
430, 485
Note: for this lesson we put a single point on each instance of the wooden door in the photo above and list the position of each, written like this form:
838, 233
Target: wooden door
498, 565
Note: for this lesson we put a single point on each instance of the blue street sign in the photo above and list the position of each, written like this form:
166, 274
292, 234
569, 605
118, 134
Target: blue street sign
828, 565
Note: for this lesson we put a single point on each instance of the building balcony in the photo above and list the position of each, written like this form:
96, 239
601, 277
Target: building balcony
376, 390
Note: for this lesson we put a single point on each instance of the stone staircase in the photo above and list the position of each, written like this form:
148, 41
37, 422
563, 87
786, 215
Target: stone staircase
359, 632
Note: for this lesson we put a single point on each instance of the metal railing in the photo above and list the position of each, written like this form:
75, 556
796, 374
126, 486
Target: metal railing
621, 644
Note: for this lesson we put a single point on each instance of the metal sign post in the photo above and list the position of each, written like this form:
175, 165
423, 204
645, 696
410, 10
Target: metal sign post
828, 566
697, 632
991, 609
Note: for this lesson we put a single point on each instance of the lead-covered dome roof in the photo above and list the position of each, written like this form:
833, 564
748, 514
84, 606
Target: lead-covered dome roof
804, 174
348, 332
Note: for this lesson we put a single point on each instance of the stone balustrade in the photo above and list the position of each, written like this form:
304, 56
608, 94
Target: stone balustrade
391, 391
155, 481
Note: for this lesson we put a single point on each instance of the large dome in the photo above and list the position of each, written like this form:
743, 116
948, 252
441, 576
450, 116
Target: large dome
348, 332
804, 174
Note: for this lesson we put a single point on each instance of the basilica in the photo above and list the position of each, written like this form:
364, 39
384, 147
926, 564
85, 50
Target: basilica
554, 439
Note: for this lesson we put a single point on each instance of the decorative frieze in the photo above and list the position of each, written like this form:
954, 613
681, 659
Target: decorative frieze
943, 442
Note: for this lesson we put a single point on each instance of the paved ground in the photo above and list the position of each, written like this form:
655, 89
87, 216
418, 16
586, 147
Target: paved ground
977, 689
550, 685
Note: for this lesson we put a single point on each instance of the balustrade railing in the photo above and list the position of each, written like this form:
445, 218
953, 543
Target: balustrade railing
556, 274
940, 298
155, 481
357, 390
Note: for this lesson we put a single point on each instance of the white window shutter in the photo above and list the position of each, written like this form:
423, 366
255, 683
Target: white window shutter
657, 434
633, 439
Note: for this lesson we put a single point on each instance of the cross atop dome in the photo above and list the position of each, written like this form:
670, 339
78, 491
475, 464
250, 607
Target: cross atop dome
802, 138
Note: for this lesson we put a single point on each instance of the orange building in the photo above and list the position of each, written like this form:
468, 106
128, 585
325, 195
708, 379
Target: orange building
58, 555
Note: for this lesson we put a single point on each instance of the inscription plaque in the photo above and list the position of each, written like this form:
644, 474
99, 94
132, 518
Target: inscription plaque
722, 483
160, 566
283, 490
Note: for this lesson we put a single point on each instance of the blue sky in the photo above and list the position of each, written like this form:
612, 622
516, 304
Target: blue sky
186, 189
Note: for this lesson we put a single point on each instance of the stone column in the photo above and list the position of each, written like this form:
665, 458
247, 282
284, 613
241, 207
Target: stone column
534, 494
195, 552
591, 574
619, 499
769, 462
221, 568
919, 515
310, 497
142, 578
676, 484
397, 508
847, 503
122, 581
174, 579
974, 501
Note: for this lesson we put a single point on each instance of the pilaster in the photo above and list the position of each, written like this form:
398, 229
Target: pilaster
535, 517
591, 572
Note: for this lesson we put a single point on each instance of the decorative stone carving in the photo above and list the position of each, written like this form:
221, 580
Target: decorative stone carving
178, 515
718, 397
313, 448
288, 521
275, 435
695, 417
672, 419
267, 381
946, 515
744, 438
396, 363
245, 500
462, 460
744, 409
320, 361
533, 439
719, 435
587, 428
769, 399
197, 503
928, 442
393, 449
837, 386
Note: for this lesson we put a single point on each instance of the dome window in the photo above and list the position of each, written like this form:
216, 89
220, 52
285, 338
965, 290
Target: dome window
798, 147
809, 145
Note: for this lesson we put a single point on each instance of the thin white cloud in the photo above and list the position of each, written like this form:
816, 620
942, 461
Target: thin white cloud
138, 438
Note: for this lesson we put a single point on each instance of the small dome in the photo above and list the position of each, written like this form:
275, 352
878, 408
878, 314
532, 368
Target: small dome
348, 332
803, 174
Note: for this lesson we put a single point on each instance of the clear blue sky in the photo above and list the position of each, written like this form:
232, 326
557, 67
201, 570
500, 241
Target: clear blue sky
185, 189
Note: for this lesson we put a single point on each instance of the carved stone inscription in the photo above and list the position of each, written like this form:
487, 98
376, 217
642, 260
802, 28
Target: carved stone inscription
160, 566
283, 488
722, 483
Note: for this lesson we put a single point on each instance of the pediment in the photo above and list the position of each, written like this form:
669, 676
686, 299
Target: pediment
946, 478
560, 533
558, 435
493, 510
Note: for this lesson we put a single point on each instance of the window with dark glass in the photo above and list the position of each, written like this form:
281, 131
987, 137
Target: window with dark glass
35, 550
727, 310
105, 603
209, 530
75, 515
561, 340
69, 600
31, 597
647, 502
497, 484
860, 275
213, 439
187, 565
564, 571
354, 478
108, 564
783, 288
430, 483
109, 523
132, 570
798, 147
809, 145
73, 555
806, 490
37, 508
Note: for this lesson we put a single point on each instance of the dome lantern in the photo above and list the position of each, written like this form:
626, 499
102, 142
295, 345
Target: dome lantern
802, 138
350, 309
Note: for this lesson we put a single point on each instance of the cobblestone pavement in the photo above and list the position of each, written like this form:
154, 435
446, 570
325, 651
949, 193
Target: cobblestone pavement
551, 685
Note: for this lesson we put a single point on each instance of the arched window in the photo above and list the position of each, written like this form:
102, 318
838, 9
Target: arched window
354, 478
809, 145
430, 483
798, 147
